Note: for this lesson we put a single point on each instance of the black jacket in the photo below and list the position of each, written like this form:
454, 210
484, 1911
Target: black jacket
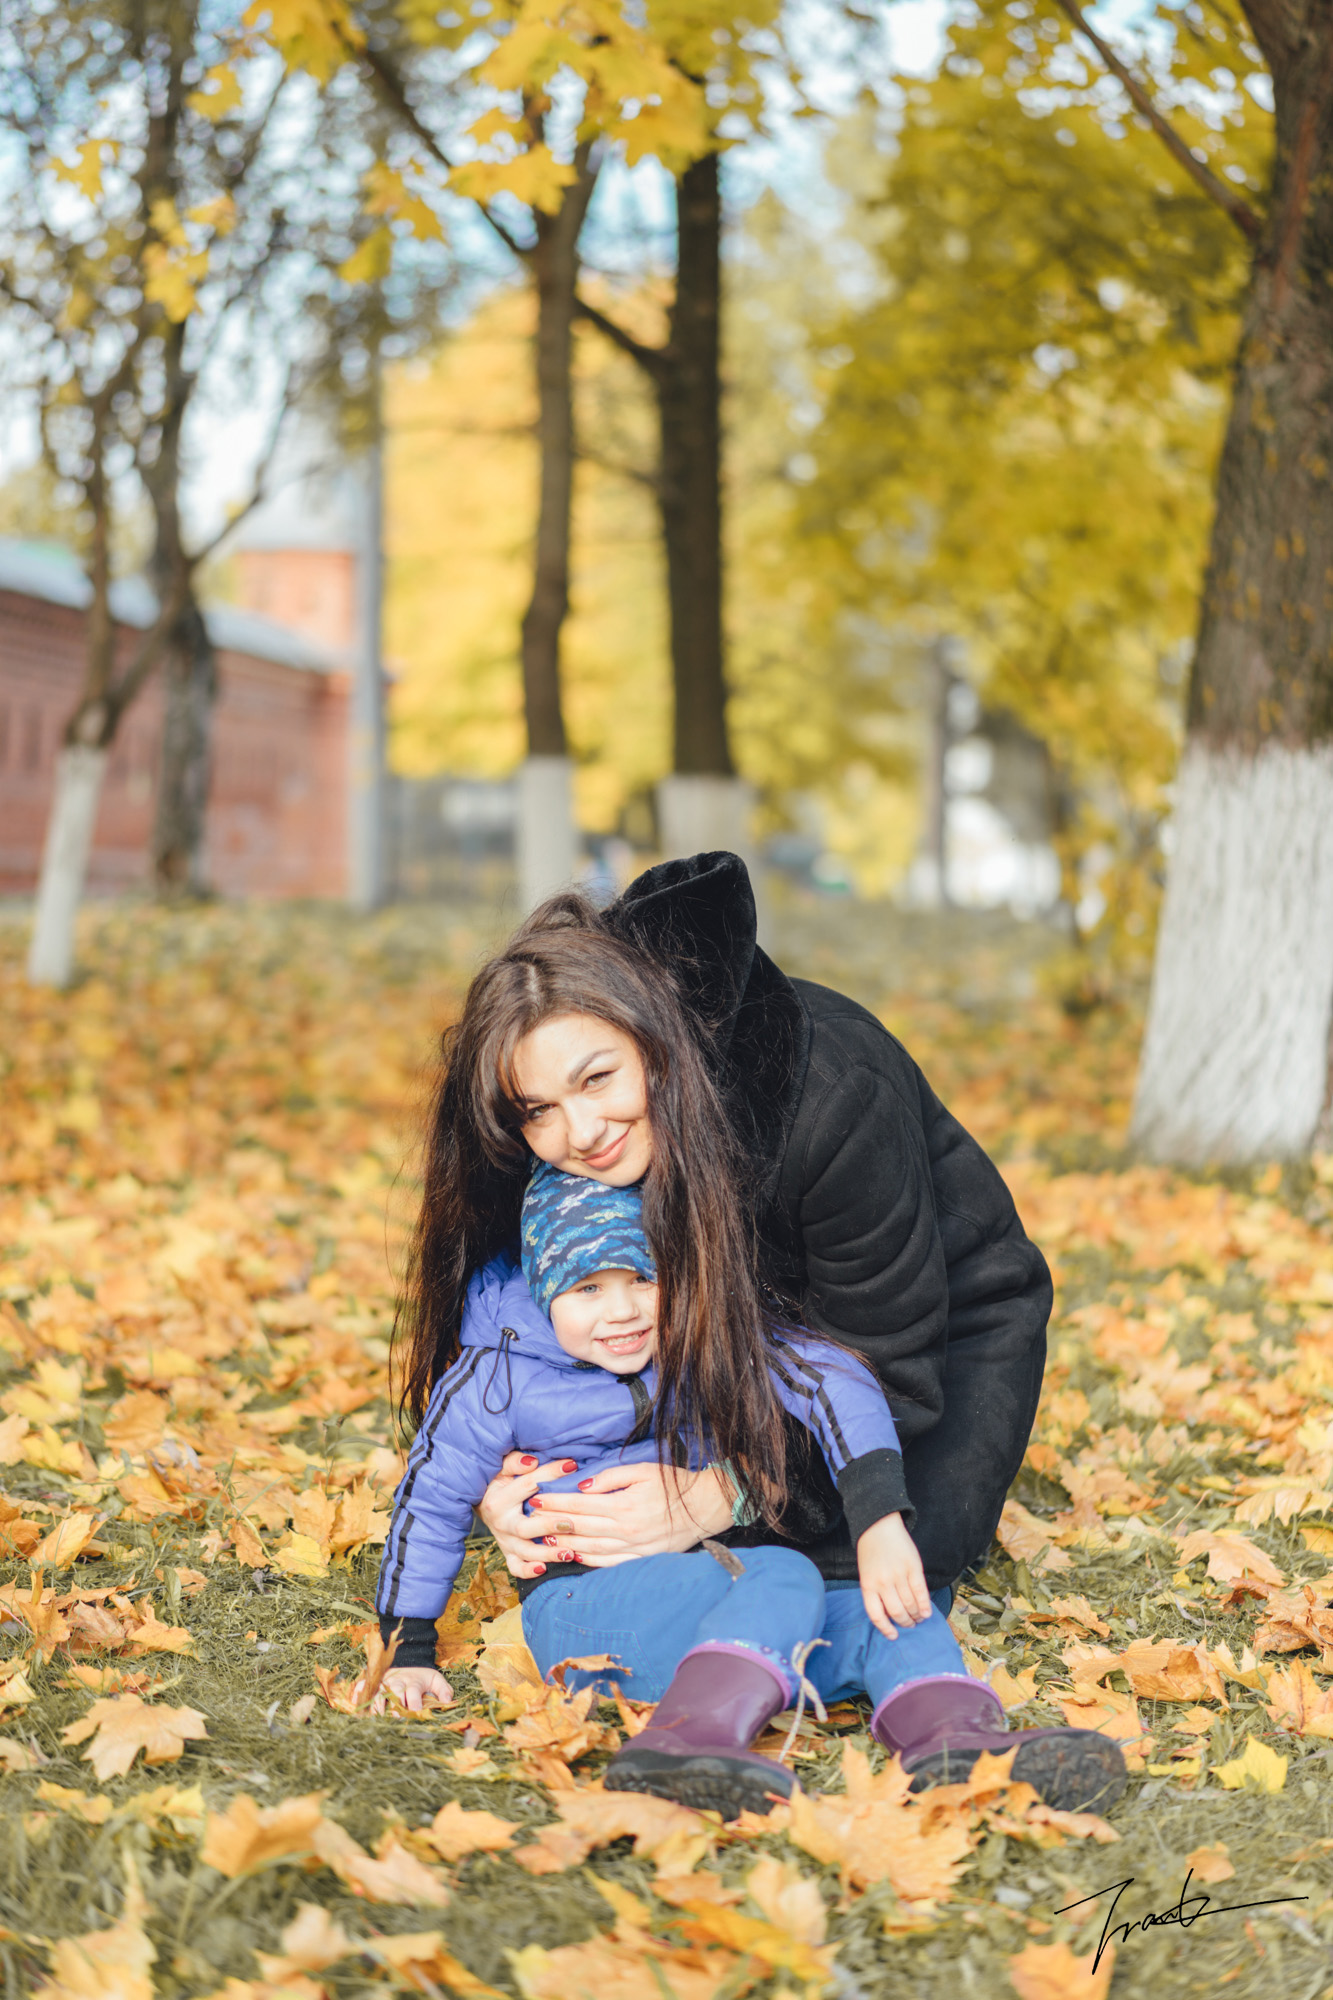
882, 1221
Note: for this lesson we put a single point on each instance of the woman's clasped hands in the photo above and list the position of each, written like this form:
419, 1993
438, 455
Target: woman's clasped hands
623, 1512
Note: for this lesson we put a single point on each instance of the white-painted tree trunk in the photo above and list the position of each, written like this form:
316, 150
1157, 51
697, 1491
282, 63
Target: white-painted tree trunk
366, 844
69, 838
548, 844
1235, 1062
700, 815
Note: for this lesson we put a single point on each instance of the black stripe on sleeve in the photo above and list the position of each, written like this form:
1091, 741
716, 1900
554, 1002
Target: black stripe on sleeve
818, 1394
421, 1452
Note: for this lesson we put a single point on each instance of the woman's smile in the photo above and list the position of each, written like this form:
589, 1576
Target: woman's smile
599, 1162
584, 1099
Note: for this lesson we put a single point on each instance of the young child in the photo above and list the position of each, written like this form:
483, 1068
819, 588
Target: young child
563, 1348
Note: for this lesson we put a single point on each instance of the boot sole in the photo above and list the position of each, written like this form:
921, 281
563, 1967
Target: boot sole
1073, 1770
708, 1782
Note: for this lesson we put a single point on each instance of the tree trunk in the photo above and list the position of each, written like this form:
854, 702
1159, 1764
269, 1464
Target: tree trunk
80, 769
547, 843
191, 679
182, 799
81, 765
689, 408
1236, 1055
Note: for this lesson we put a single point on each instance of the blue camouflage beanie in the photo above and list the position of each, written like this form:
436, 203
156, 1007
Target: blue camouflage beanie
573, 1227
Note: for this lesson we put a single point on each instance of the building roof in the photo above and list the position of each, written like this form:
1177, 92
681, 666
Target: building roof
49, 571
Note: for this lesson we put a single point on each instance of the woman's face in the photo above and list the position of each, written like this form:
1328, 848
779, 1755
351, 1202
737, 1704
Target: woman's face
582, 1086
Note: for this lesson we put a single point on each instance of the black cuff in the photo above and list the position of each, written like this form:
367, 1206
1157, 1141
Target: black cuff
416, 1640
871, 1487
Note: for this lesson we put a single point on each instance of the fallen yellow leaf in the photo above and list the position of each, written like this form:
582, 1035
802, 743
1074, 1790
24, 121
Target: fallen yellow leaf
1258, 1765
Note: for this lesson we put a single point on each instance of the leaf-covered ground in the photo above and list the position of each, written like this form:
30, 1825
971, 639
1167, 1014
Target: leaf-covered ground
205, 1175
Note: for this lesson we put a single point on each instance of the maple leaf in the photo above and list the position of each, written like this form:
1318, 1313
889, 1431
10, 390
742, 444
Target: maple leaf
150, 1635
1298, 1703
1052, 1972
1014, 1690
218, 95
15, 1756
455, 1832
1210, 1864
673, 1836
1258, 1765
357, 1521
250, 1551
111, 1964
136, 1420
391, 1875
1110, 1714
1168, 1672
773, 1945
631, 1965
1230, 1557
876, 1839
1027, 1539
95, 1810
123, 1725
301, 1555
248, 1836
370, 261
86, 171
13, 1430
180, 1807
312, 1941
417, 1953
171, 280
788, 1899
15, 1691
1071, 1613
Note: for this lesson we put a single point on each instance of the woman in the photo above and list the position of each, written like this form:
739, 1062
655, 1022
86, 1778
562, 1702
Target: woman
598, 1043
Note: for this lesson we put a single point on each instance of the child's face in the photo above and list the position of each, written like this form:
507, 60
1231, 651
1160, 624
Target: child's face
609, 1319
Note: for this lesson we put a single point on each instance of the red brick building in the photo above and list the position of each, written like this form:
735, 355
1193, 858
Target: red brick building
277, 805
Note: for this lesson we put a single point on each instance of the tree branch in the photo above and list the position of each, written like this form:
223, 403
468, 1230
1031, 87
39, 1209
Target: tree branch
590, 455
1246, 219
393, 87
650, 359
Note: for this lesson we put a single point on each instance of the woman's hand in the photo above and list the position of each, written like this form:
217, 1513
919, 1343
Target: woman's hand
412, 1686
893, 1582
501, 1508
634, 1510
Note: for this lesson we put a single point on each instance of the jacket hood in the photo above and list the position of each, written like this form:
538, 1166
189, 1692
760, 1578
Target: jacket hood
499, 1304
697, 916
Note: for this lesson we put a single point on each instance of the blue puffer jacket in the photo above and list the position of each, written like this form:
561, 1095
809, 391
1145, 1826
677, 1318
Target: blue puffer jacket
513, 1388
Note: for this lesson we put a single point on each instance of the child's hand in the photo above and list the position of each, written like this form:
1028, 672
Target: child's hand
412, 1686
893, 1582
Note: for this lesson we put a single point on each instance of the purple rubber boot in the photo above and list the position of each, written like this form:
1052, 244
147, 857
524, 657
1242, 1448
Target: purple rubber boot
696, 1748
941, 1725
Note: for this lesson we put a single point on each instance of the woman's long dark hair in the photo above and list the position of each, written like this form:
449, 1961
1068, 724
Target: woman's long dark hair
712, 1372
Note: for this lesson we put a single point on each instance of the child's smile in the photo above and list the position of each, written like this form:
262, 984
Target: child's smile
610, 1319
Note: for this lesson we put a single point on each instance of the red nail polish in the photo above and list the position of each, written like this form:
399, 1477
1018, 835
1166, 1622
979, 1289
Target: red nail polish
548, 1541
536, 1500
584, 1485
540, 1568
528, 1458
569, 1465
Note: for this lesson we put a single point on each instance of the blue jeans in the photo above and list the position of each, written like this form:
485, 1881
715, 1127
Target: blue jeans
649, 1613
